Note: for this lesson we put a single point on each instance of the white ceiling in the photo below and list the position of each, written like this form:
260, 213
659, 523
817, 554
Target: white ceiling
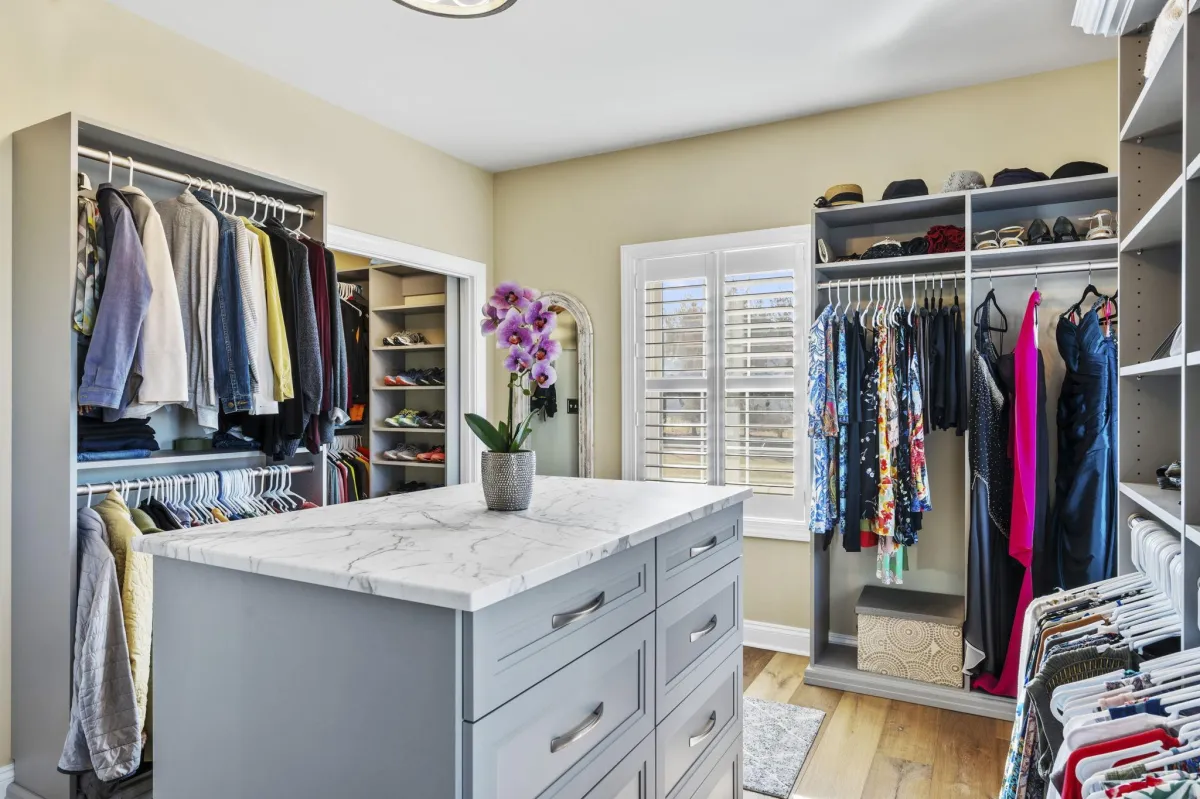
554, 79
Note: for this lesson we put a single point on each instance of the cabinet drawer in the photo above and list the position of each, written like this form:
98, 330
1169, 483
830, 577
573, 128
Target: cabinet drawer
695, 630
514, 644
587, 715
720, 777
633, 778
694, 730
688, 555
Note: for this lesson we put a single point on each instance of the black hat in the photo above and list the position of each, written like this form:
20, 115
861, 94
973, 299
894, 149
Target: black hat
905, 188
1079, 169
1011, 177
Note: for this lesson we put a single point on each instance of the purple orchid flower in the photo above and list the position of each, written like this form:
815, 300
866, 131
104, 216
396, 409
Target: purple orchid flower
540, 318
513, 333
546, 350
519, 360
543, 374
510, 295
491, 319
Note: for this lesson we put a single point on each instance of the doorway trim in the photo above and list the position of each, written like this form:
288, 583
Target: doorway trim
471, 299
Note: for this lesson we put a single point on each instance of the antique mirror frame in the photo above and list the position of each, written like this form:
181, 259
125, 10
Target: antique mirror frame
583, 321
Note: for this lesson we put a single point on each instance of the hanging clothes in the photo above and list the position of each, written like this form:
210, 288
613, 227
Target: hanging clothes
89, 265
357, 339
821, 424
277, 345
104, 733
1028, 506
1082, 542
993, 576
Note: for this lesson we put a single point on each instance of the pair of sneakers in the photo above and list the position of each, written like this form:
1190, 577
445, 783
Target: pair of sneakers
413, 453
417, 419
417, 377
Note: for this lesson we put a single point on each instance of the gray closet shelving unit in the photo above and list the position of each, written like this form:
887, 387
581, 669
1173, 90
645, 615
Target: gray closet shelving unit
44, 539
1060, 271
1159, 153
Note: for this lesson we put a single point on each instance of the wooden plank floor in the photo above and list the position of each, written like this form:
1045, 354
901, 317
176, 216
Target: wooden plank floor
871, 748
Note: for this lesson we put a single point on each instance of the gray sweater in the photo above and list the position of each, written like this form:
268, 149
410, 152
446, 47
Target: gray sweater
192, 235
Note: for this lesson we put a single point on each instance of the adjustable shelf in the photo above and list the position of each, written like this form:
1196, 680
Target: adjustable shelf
409, 348
903, 265
1163, 504
1162, 226
1168, 367
242, 457
408, 464
1192, 532
408, 388
1045, 254
420, 307
1159, 108
439, 431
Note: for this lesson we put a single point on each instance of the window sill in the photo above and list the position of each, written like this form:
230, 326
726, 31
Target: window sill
777, 529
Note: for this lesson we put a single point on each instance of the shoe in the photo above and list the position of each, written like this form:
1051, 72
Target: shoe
1011, 236
1101, 226
392, 380
406, 378
437, 455
405, 338
406, 418
1170, 477
436, 376
424, 420
438, 419
424, 377
408, 452
986, 240
1064, 230
1039, 233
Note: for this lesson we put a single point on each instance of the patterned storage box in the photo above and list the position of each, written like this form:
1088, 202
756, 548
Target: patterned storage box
911, 634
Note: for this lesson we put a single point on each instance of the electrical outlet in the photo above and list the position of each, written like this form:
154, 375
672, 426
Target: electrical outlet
572, 406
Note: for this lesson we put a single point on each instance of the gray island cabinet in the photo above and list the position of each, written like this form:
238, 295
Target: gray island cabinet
421, 647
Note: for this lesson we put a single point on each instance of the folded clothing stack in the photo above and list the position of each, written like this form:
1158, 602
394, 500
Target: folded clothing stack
124, 438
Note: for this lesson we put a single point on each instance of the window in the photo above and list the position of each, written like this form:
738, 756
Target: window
714, 371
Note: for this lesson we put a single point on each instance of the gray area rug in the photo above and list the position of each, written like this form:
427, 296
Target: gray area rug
776, 739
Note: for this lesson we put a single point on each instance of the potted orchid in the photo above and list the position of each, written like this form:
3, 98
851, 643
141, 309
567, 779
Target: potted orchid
522, 325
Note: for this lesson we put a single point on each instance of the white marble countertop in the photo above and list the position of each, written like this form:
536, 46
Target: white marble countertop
443, 547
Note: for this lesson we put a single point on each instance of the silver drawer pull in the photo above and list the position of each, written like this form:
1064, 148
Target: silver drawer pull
702, 548
563, 741
705, 630
563, 619
696, 740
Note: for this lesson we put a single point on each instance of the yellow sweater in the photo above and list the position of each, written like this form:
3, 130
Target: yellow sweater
277, 342
135, 576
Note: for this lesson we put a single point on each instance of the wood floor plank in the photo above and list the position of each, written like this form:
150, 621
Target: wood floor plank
779, 679
852, 733
753, 662
965, 766
911, 733
893, 778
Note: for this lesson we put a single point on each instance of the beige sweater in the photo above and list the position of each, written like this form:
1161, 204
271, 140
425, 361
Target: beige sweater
164, 356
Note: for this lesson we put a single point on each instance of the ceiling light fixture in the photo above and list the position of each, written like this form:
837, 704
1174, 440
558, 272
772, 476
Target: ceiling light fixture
458, 8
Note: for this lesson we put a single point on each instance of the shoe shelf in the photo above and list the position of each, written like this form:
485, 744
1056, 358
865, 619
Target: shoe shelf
1045, 254
1161, 503
439, 431
1162, 226
407, 464
416, 307
408, 388
1159, 107
1091, 188
1164, 367
408, 348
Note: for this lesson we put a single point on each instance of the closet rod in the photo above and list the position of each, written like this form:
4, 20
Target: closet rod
177, 177
150, 482
878, 280
1057, 269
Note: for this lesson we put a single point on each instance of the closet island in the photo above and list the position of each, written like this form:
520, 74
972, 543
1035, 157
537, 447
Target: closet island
422, 646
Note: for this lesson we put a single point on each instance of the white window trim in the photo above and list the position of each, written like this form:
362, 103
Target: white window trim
779, 529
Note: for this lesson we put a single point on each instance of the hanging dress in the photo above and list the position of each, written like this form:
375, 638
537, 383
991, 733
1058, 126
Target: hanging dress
820, 513
1082, 542
993, 577
1029, 376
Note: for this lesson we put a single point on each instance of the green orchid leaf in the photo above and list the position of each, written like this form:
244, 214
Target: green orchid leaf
491, 438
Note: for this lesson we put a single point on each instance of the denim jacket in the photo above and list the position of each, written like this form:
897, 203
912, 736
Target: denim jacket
231, 356
117, 335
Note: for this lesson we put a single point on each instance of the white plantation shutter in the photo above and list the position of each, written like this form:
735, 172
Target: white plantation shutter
715, 394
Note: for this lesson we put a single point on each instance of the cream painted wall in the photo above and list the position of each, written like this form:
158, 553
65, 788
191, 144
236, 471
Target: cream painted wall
560, 226
90, 57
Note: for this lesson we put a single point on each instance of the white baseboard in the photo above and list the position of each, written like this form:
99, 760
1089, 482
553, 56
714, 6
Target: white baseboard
6, 777
792, 640
776, 637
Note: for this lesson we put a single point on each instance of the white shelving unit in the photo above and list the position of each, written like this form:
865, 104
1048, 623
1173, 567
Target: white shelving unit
838, 575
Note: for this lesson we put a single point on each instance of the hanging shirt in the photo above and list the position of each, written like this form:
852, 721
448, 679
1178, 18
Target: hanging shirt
89, 266
277, 343
820, 513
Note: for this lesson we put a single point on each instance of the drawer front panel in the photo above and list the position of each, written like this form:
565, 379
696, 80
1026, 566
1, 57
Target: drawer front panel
688, 555
693, 730
720, 777
633, 778
587, 715
514, 644
695, 629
